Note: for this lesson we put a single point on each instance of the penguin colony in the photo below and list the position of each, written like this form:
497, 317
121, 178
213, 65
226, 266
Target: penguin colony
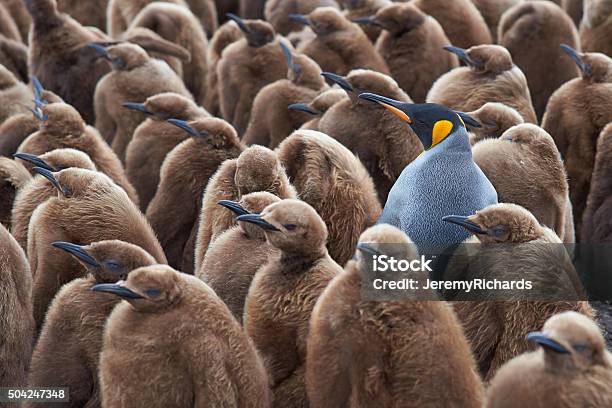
191, 192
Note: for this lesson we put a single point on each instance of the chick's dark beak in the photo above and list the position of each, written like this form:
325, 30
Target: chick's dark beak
183, 125
239, 21
367, 249
394, 106
369, 20
78, 252
116, 289
257, 220
464, 222
35, 160
303, 107
585, 68
137, 106
233, 206
338, 79
99, 49
299, 18
49, 176
546, 342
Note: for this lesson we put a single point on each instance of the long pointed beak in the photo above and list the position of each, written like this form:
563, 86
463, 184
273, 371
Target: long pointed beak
366, 249
78, 252
38, 115
303, 107
37, 86
459, 52
116, 289
289, 58
464, 222
586, 69
49, 176
35, 160
137, 106
391, 104
39, 103
238, 21
299, 18
338, 79
369, 20
257, 220
546, 342
185, 126
99, 49
233, 206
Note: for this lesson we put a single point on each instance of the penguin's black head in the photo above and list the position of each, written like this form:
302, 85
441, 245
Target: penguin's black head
432, 123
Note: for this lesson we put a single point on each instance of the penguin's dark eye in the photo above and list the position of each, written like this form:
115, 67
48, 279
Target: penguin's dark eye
290, 227
580, 348
152, 293
66, 192
112, 265
498, 231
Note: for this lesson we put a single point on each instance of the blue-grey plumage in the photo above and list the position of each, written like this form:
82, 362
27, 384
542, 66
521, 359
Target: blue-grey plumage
443, 180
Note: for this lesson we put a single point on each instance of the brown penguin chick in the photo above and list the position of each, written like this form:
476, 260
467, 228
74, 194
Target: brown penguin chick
13, 176
532, 32
68, 350
256, 169
60, 58
284, 292
319, 105
173, 335
355, 10
596, 222
154, 138
16, 320
277, 12
121, 13
575, 116
8, 27
333, 180
226, 34
89, 207
20, 16
173, 211
460, 19
595, 27
177, 24
246, 66
339, 45
88, 13
491, 11
538, 181
496, 329
495, 118
383, 353
570, 368
38, 189
412, 45
14, 57
271, 122
490, 76
371, 132
62, 127
15, 96
237, 253
135, 77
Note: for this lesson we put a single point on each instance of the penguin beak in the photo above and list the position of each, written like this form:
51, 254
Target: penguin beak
546, 342
369, 20
300, 18
394, 106
239, 21
289, 57
37, 86
303, 107
38, 114
78, 252
464, 222
49, 176
257, 220
233, 206
137, 106
468, 120
100, 50
35, 160
366, 249
116, 289
338, 79
585, 68
463, 56
185, 126
39, 104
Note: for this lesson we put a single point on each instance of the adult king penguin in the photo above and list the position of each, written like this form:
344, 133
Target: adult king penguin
443, 178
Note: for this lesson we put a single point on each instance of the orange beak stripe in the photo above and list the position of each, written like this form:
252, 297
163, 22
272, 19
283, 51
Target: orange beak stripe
398, 112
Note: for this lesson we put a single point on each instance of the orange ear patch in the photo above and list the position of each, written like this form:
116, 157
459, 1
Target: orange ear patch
440, 131
398, 112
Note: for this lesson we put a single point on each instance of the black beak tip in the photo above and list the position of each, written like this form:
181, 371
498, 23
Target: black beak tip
116, 289
233, 206
545, 341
